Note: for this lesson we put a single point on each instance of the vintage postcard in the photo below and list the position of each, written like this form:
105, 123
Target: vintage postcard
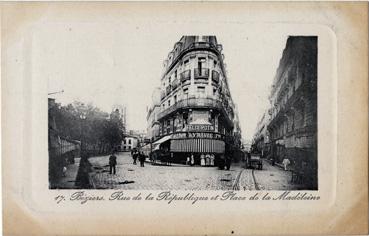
195, 118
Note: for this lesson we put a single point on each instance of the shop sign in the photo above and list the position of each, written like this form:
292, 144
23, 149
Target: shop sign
192, 135
197, 127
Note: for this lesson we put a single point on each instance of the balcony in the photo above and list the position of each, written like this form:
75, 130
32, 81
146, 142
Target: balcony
194, 46
168, 89
201, 74
162, 95
215, 77
185, 76
209, 103
175, 84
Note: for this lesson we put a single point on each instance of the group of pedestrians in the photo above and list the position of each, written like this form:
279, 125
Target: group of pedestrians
136, 154
205, 160
190, 160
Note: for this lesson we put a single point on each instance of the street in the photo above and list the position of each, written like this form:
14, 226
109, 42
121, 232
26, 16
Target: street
180, 177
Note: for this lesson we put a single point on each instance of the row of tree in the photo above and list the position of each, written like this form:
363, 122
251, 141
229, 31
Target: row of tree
99, 132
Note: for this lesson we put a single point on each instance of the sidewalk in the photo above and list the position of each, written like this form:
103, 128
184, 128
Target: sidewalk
275, 163
68, 182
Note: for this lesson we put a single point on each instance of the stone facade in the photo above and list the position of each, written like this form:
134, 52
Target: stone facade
194, 98
292, 127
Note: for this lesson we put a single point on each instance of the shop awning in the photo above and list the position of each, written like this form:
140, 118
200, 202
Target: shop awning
162, 140
197, 145
156, 144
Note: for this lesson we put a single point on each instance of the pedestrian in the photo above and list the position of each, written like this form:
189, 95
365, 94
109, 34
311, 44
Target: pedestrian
212, 157
192, 160
112, 163
170, 159
135, 156
227, 161
64, 171
202, 161
285, 163
188, 161
207, 159
141, 158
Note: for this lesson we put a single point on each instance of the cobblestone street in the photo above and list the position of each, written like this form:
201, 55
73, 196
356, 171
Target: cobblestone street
180, 177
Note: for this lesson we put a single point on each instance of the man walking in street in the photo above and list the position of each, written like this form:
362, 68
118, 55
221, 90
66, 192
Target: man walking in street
135, 155
285, 163
112, 163
141, 158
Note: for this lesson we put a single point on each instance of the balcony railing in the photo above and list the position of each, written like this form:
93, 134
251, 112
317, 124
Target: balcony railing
162, 95
168, 89
215, 76
175, 84
199, 103
194, 46
185, 75
203, 73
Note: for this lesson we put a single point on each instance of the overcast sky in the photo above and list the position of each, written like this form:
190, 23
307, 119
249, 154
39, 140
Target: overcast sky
121, 64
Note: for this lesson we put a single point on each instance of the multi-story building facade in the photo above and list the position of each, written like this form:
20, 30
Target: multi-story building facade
260, 142
195, 113
129, 142
293, 122
153, 128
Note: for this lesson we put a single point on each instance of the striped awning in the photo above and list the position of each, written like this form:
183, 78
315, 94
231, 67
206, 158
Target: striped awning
197, 145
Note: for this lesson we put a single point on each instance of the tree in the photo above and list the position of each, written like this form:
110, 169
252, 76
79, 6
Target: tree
89, 124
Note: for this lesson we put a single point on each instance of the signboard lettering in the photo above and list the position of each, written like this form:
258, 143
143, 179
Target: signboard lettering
192, 135
200, 127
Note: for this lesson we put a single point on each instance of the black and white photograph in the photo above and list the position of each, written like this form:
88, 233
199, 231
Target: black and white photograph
184, 118
190, 112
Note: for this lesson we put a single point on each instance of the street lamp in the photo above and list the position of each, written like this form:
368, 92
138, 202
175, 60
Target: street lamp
82, 118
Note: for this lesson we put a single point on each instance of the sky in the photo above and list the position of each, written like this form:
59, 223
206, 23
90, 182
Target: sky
121, 64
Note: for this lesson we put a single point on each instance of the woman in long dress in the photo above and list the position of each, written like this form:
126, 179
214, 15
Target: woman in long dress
202, 162
207, 159
192, 160
212, 160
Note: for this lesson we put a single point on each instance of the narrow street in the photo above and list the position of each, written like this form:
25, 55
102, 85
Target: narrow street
180, 177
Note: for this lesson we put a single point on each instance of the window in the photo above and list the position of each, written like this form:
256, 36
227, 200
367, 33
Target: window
168, 126
215, 63
201, 89
214, 91
175, 98
186, 62
185, 90
168, 103
175, 74
169, 79
129, 141
201, 61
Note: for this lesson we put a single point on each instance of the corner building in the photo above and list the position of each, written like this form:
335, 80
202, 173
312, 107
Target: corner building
193, 111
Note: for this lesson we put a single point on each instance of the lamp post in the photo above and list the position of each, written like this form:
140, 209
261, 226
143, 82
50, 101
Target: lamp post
82, 118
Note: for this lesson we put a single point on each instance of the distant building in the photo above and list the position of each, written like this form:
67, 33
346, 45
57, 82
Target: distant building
129, 143
121, 112
153, 127
260, 143
293, 114
193, 111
